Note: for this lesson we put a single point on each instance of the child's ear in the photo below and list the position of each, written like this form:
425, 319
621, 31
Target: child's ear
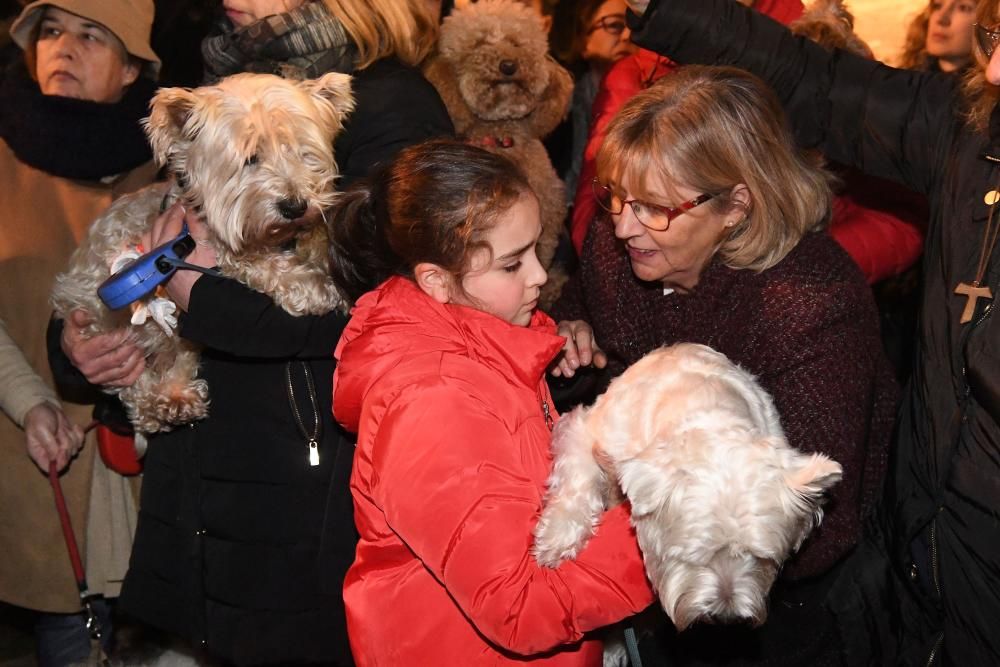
434, 281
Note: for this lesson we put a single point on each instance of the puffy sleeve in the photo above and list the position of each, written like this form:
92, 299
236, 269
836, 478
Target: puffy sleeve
891, 123
226, 315
453, 484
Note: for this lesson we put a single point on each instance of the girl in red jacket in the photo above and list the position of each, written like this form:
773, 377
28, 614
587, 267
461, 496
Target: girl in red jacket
440, 372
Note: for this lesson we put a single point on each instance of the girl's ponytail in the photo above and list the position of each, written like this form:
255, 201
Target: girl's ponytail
360, 254
434, 203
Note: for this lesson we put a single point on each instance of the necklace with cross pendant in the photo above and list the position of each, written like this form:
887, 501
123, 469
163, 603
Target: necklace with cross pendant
975, 290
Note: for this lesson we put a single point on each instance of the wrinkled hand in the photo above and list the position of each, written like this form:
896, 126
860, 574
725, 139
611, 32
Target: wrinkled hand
166, 228
638, 6
110, 359
580, 350
51, 436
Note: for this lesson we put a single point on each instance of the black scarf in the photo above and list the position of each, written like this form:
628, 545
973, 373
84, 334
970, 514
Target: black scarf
303, 43
73, 138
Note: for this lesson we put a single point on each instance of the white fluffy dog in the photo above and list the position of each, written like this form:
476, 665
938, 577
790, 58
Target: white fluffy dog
253, 156
719, 499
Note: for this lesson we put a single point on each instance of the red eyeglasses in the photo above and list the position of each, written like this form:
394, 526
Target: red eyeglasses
650, 216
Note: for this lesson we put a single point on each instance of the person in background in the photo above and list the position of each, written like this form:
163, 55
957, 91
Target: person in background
940, 37
50, 436
269, 537
588, 37
922, 588
70, 143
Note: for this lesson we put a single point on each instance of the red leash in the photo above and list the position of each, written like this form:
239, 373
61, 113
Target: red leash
93, 625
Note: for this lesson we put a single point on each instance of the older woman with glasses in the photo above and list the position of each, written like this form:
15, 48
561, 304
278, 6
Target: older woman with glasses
714, 234
924, 588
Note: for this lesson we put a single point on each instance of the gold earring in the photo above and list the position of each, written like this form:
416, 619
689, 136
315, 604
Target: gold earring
733, 223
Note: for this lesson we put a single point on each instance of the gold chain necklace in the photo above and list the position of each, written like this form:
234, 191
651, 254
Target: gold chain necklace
312, 440
976, 290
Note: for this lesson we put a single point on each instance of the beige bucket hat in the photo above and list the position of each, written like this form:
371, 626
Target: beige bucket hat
130, 20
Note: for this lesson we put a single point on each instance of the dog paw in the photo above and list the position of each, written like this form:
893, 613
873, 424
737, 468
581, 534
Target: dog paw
180, 405
557, 538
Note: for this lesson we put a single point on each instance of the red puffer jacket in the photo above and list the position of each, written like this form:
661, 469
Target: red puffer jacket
453, 454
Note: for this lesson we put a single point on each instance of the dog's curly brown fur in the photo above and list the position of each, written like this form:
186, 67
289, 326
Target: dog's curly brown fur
493, 71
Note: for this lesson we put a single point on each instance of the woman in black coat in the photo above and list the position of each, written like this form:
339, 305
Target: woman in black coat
242, 544
924, 586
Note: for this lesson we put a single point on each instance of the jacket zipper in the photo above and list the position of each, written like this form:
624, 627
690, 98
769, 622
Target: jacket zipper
546, 410
548, 415
934, 556
934, 650
968, 390
937, 584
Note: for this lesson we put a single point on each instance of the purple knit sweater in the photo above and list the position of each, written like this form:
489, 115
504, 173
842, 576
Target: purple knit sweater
806, 328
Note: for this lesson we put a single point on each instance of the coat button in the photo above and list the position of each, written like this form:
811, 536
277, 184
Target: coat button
913, 571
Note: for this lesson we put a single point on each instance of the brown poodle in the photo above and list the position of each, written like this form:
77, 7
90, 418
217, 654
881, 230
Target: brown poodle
505, 93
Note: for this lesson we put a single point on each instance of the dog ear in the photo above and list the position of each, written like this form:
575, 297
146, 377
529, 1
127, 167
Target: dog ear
170, 111
807, 477
816, 474
333, 90
555, 100
648, 486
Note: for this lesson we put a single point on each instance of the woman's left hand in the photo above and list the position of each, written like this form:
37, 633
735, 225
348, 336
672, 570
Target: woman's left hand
166, 228
581, 349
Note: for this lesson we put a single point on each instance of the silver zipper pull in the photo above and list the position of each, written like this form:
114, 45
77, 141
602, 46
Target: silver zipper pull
313, 453
548, 415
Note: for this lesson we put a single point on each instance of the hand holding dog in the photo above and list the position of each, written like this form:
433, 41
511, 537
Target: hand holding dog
581, 349
108, 359
166, 228
51, 436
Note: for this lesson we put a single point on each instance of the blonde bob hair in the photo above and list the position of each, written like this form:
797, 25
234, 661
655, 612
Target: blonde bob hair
711, 129
404, 29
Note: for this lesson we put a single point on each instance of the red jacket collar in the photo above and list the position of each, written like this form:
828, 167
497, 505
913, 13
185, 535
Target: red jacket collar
398, 322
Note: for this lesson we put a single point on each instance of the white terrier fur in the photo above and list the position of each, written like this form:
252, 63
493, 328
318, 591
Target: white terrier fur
253, 156
719, 499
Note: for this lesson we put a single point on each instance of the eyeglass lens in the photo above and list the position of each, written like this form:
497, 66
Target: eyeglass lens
987, 39
613, 25
647, 216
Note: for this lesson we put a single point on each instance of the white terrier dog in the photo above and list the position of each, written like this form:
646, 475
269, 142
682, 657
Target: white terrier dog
253, 156
719, 498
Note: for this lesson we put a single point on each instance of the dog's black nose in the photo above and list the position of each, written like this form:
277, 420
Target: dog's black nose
508, 67
291, 209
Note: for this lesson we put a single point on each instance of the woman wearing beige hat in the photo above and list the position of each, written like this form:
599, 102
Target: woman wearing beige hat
70, 142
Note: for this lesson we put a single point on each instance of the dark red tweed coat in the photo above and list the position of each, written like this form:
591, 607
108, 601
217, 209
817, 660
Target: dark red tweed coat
806, 328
